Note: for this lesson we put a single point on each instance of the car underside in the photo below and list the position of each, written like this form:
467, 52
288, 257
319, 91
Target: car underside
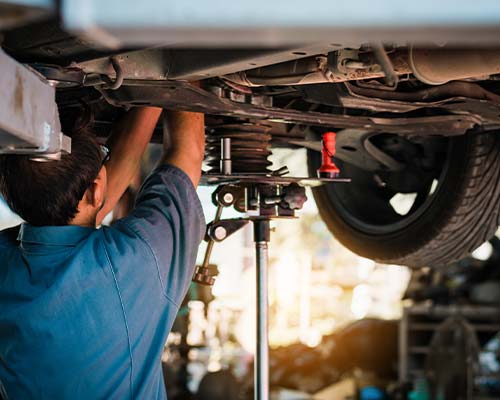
418, 120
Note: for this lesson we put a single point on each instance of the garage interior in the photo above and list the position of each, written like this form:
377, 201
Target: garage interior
352, 249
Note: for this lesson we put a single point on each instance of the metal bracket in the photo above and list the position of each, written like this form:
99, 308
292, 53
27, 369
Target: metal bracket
222, 229
29, 119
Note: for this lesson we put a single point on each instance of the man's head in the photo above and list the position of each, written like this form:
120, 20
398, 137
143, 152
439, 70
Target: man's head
69, 191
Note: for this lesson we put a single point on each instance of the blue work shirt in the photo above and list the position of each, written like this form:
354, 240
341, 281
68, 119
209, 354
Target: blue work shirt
84, 312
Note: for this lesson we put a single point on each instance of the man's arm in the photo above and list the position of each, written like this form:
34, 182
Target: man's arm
184, 142
127, 142
166, 226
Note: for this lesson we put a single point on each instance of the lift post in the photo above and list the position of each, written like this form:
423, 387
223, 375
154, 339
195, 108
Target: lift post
261, 233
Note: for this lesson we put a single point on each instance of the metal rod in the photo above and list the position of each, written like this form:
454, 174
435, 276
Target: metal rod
208, 253
225, 156
210, 244
261, 362
391, 78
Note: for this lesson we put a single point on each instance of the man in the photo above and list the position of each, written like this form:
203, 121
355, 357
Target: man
85, 312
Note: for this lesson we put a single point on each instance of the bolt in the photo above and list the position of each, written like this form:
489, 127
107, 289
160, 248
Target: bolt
220, 233
379, 181
228, 198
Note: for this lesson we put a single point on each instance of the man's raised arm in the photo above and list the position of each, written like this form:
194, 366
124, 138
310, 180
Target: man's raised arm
184, 142
167, 222
127, 142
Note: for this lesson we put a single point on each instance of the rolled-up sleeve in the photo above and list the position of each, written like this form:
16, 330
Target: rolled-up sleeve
168, 219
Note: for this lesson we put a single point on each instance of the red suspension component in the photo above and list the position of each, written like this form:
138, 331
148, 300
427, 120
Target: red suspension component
328, 169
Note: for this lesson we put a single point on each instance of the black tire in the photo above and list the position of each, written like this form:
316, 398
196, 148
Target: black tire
462, 213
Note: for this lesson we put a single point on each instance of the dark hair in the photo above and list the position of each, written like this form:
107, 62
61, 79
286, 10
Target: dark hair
48, 193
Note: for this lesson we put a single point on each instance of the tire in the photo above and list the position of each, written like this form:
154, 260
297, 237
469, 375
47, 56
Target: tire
460, 215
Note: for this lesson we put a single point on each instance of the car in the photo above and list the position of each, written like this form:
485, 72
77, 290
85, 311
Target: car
416, 123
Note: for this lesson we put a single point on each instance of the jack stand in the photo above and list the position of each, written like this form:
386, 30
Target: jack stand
262, 197
261, 233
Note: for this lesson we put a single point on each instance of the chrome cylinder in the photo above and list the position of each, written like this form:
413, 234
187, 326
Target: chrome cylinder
225, 156
261, 362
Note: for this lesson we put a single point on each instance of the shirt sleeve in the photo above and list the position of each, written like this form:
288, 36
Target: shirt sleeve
168, 218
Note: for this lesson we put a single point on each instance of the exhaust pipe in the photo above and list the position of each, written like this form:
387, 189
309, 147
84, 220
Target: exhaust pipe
432, 66
441, 65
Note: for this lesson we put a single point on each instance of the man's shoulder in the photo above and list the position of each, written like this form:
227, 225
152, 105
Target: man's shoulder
122, 238
8, 237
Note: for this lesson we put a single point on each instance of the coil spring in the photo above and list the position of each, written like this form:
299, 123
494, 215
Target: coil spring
250, 147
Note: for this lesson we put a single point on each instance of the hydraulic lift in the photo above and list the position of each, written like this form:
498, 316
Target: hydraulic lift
29, 120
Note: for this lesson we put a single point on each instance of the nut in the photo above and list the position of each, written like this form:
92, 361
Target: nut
228, 198
220, 233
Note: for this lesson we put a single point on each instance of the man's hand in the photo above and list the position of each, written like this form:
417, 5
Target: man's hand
127, 142
184, 142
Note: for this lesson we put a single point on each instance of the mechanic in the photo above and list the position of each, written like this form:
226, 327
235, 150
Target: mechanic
85, 311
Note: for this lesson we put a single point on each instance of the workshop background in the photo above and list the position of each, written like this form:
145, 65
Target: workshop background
339, 327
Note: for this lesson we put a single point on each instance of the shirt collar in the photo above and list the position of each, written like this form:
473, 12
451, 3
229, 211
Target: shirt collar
69, 235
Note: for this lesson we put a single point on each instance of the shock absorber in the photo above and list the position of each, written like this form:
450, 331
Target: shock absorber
250, 147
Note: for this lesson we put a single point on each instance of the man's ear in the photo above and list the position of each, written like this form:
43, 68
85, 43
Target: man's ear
96, 193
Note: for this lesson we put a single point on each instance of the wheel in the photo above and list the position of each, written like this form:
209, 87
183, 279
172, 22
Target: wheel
455, 187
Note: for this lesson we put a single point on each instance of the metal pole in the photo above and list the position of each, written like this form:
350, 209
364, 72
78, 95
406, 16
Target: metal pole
210, 244
225, 156
261, 362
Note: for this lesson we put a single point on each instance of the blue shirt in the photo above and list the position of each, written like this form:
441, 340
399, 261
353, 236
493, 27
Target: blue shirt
84, 312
